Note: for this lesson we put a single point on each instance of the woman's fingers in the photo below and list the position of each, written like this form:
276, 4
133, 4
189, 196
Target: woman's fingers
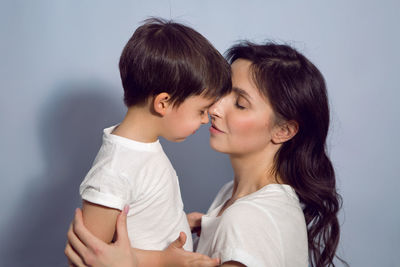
122, 231
74, 260
182, 238
205, 262
75, 249
180, 241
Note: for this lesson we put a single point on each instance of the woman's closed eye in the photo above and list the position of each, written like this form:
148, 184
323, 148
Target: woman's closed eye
241, 103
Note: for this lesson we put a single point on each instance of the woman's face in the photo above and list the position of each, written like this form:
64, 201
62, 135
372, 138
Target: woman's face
242, 122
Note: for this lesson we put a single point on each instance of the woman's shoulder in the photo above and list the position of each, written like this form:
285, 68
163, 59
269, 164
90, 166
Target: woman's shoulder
268, 224
273, 203
272, 196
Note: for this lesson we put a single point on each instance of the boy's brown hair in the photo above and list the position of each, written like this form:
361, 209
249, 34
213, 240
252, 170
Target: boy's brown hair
165, 56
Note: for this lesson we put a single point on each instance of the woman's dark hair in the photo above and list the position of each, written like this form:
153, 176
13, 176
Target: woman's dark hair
165, 56
297, 92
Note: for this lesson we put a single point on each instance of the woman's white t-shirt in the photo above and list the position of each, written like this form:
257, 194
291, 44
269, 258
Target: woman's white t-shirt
265, 228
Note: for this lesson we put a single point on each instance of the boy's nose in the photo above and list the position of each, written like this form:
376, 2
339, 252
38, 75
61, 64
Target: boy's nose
204, 119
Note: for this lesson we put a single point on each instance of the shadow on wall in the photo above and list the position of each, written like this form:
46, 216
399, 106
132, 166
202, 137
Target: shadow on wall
70, 133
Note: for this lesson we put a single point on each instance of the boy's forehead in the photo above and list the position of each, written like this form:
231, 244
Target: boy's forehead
201, 101
206, 102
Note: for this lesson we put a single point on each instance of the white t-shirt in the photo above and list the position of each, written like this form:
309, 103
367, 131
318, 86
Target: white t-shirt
138, 174
266, 228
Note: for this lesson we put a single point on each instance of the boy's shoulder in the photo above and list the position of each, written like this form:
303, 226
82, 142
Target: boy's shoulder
125, 155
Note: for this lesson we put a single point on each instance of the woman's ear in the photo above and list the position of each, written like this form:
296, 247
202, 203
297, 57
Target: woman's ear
284, 131
161, 102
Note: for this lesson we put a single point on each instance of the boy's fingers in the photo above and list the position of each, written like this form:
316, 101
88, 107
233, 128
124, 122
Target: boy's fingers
122, 231
194, 219
196, 229
197, 215
87, 238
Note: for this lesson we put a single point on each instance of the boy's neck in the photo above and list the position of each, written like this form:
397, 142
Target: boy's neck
139, 124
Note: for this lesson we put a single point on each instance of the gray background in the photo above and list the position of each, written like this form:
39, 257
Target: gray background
60, 87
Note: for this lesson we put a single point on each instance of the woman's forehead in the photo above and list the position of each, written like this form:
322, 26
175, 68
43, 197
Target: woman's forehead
242, 75
243, 81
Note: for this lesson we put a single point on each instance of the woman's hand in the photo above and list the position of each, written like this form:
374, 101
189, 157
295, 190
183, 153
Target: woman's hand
194, 220
175, 255
85, 249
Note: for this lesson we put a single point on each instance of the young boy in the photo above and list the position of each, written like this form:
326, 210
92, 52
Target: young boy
170, 74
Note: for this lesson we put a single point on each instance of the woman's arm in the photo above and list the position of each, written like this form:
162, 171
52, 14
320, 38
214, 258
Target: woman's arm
100, 220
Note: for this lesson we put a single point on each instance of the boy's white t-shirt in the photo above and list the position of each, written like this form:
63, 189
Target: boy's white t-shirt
140, 175
266, 228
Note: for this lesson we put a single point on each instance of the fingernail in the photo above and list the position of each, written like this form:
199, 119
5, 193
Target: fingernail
126, 209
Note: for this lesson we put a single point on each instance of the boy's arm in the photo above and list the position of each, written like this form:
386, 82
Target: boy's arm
100, 220
84, 249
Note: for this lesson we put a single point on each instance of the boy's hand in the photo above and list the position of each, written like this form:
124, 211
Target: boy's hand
175, 255
194, 220
85, 249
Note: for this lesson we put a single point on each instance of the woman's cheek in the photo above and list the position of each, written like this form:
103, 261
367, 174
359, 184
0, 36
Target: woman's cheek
250, 134
245, 126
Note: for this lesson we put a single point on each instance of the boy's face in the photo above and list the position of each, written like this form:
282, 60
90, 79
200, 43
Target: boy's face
185, 119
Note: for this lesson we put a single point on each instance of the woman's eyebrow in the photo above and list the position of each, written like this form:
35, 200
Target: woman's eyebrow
241, 92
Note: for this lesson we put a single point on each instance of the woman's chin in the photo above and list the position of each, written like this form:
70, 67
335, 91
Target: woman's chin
217, 146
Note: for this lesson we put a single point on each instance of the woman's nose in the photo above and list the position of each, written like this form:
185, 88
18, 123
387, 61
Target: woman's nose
216, 109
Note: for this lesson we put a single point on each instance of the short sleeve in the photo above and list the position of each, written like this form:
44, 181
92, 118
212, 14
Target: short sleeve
105, 187
247, 234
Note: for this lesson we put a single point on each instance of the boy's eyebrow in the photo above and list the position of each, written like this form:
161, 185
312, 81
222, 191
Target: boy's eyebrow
208, 105
241, 92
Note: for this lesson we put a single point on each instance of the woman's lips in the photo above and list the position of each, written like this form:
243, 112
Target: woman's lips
215, 130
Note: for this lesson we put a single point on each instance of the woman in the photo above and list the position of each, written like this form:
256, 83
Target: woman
281, 208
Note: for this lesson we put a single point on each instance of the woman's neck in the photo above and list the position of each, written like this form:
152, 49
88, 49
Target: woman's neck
253, 171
